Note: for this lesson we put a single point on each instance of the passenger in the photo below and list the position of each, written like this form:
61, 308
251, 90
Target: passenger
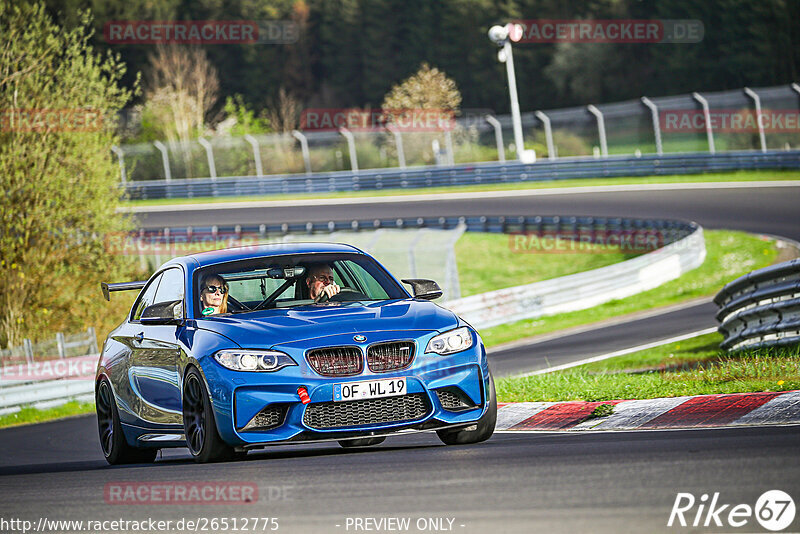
319, 280
213, 295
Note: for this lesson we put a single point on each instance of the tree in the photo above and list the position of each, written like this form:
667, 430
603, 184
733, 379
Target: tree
429, 88
182, 88
58, 99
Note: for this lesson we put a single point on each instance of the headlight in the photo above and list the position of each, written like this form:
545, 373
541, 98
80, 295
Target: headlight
253, 360
450, 342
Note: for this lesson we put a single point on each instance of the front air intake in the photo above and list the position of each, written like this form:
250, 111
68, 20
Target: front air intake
336, 361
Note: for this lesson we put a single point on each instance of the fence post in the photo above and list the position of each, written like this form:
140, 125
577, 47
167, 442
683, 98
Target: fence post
256, 154
498, 137
707, 115
548, 134
351, 145
212, 168
304, 147
27, 347
448, 144
121, 156
164, 159
398, 141
92, 340
757, 101
601, 128
656, 124
62, 350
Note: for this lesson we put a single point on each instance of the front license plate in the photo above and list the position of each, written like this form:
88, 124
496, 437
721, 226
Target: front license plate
369, 389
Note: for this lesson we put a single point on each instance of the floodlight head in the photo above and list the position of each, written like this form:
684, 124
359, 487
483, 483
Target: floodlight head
498, 35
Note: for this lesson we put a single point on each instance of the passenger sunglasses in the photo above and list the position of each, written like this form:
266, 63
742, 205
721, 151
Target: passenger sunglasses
213, 289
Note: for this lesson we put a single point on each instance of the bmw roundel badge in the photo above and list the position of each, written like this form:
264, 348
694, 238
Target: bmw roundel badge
358, 338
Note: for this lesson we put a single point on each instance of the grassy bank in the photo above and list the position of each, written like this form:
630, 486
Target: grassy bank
488, 261
729, 255
740, 176
28, 415
690, 367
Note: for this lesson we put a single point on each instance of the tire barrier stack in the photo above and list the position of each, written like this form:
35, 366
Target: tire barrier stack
461, 175
762, 308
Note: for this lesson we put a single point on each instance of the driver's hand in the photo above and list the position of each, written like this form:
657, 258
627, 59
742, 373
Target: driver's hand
329, 291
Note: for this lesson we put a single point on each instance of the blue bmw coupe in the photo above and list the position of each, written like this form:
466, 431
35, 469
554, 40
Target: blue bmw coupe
237, 349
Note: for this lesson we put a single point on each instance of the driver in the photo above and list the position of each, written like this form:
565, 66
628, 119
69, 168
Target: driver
319, 280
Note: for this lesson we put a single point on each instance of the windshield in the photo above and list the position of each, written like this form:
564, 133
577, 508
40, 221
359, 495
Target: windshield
290, 281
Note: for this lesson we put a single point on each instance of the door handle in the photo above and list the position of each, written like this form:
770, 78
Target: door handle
139, 337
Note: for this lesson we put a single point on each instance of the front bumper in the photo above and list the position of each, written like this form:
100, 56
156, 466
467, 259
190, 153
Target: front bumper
238, 397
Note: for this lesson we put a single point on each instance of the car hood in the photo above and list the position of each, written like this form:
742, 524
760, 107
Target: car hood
278, 326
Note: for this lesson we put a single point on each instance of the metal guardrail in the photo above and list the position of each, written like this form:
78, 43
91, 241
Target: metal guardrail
460, 175
587, 289
45, 383
762, 308
681, 247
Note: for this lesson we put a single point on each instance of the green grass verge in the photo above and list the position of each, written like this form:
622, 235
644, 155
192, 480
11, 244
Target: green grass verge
740, 176
28, 415
691, 367
487, 262
729, 255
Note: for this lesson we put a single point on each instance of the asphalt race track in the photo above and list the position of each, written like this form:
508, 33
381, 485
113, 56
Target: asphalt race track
761, 209
755, 209
515, 482
523, 358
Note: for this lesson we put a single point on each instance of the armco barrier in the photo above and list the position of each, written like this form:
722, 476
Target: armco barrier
460, 175
584, 290
681, 248
762, 308
43, 383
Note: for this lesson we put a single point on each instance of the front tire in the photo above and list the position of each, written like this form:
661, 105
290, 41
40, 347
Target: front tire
115, 447
202, 438
484, 427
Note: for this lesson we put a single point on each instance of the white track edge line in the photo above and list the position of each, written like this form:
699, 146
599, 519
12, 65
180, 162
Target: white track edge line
619, 352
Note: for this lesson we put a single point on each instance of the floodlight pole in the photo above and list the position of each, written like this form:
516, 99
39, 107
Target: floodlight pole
516, 120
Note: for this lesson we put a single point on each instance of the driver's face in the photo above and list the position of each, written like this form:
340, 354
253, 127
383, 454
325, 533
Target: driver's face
318, 279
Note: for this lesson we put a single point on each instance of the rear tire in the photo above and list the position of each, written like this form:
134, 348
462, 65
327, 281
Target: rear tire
485, 425
115, 447
361, 442
202, 438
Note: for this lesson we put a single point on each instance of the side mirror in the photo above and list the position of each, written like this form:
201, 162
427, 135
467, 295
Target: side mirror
424, 289
163, 313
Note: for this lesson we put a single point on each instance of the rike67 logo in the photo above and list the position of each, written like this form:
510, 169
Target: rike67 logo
774, 510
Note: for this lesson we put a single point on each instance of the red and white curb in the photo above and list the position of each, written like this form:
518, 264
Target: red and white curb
701, 411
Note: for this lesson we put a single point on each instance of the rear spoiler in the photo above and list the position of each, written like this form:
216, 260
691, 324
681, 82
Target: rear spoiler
122, 286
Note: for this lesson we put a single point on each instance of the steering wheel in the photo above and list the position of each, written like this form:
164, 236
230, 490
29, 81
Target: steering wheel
323, 297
